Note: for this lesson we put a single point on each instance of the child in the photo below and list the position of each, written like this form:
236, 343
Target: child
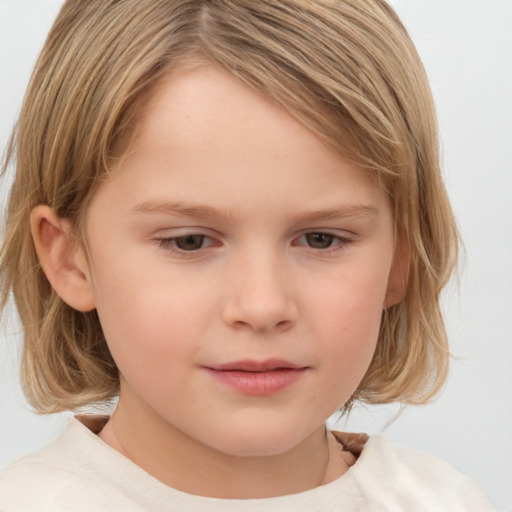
229, 215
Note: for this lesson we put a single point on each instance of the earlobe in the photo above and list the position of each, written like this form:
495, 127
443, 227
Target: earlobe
63, 263
398, 275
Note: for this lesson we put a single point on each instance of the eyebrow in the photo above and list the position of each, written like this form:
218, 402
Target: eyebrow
207, 212
180, 209
343, 211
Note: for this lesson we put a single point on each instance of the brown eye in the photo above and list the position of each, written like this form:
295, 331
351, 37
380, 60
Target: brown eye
320, 240
189, 242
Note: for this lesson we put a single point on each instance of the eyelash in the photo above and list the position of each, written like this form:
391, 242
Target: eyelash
336, 243
171, 244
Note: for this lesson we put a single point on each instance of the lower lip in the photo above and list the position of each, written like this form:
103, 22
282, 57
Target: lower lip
258, 383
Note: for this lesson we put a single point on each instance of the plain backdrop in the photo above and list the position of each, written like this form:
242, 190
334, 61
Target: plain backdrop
466, 46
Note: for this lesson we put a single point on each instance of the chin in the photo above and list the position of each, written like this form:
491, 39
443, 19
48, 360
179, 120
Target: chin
256, 441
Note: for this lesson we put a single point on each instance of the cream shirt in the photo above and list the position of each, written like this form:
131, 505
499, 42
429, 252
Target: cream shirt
78, 472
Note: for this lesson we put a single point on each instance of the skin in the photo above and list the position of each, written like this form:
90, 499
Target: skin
249, 186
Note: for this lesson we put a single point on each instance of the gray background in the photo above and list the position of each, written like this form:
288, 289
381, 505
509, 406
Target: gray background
467, 48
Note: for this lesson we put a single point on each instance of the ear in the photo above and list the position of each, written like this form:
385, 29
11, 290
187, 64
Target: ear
62, 260
397, 281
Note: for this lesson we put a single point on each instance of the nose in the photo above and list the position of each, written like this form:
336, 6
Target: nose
260, 295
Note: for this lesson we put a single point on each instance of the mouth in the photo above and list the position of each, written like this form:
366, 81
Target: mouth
248, 365
257, 377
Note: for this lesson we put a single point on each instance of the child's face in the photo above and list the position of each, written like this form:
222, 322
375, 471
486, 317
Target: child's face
233, 241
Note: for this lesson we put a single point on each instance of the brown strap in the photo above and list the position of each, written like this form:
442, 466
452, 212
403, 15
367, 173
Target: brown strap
93, 422
353, 443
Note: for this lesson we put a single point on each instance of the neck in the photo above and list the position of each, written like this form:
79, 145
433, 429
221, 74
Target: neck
188, 465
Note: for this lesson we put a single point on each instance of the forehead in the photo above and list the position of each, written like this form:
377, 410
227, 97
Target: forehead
204, 135
191, 107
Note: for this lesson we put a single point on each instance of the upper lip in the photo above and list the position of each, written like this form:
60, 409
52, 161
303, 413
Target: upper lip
249, 365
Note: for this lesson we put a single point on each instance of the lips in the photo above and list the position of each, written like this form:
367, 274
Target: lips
257, 377
257, 366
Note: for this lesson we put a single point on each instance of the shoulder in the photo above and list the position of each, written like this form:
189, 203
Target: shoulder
52, 479
45, 481
34, 482
416, 480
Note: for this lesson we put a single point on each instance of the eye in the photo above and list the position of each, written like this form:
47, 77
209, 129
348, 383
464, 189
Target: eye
320, 240
187, 243
325, 242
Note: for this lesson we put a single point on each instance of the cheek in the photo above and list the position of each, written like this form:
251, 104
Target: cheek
348, 320
349, 302
149, 320
351, 341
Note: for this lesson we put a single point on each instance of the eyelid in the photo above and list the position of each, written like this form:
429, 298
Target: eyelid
342, 240
166, 240
170, 242
342, 234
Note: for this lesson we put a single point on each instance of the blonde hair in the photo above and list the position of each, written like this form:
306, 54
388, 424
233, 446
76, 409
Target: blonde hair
346, 69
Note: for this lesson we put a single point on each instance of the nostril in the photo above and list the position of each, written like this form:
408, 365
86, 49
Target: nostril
284, 324
262, 327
